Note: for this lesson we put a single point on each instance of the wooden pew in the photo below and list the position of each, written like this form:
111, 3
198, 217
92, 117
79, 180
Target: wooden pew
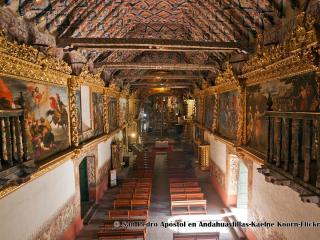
122, 234
131, 204
187, 196
196, 236
189, 207
128, 214
184, 184
185, 190
135, 189
133, 196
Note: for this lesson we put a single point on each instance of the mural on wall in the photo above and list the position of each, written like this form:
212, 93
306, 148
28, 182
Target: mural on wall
47, 117
97, 101
228, 114
297, 94
210, 103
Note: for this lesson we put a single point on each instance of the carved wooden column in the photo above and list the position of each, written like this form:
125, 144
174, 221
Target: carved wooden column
295, 146
106, 101
307, 124
73, 87
286, 143
270, 139
215, 113
277, 140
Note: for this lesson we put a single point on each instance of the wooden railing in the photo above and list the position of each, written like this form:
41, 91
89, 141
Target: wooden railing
293, 146
13, 143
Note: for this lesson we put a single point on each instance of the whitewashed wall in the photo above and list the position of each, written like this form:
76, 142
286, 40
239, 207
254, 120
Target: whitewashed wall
24, 212
280, 203
218, 152
104, 152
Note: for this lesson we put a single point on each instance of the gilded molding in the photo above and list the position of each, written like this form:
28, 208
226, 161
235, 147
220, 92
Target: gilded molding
226, 80
27, 63
74, 86
93, 80
106, 101
295, 56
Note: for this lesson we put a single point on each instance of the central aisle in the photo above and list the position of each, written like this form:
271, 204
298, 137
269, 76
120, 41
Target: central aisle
160, 200
159, 209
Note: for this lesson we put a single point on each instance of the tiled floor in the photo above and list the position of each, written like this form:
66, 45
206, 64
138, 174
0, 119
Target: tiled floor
160, 207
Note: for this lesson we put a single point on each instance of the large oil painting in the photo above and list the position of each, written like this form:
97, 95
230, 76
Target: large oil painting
97, 100
47, 117
297, 94
228, 115
210, 104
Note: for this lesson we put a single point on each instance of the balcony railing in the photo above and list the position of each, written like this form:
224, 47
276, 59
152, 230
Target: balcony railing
293, 157
13, 143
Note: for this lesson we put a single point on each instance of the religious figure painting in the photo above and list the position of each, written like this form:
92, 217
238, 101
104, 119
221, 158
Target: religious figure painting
228, 114
97, 100
123, 110
47, 120
296, 94
210, 104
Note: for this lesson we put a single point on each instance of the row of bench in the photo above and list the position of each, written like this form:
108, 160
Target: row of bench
186, 196
131, 203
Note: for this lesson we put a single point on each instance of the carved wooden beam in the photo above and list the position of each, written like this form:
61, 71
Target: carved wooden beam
157, 66
134, 44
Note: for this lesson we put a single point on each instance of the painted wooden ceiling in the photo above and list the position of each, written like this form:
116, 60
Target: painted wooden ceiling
191, 20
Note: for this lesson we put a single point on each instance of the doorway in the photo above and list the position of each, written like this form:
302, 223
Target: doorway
84, 187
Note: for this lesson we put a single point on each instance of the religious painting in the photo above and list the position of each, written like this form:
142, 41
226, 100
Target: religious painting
296, 94
97, 101
47, 115
112, 114
85, 108
228, 114
210, 104
122, 110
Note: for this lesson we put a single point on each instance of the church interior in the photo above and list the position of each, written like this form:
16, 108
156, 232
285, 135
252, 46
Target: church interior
159, 119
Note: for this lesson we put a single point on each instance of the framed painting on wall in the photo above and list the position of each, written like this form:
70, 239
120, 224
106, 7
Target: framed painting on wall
47, 114
86, 120
228, 114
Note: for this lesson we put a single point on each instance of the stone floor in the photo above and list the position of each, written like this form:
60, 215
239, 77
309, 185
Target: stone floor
160, 207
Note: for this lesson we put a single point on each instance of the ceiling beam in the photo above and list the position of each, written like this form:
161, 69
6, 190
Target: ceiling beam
156, 45
159, 76
156, 66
